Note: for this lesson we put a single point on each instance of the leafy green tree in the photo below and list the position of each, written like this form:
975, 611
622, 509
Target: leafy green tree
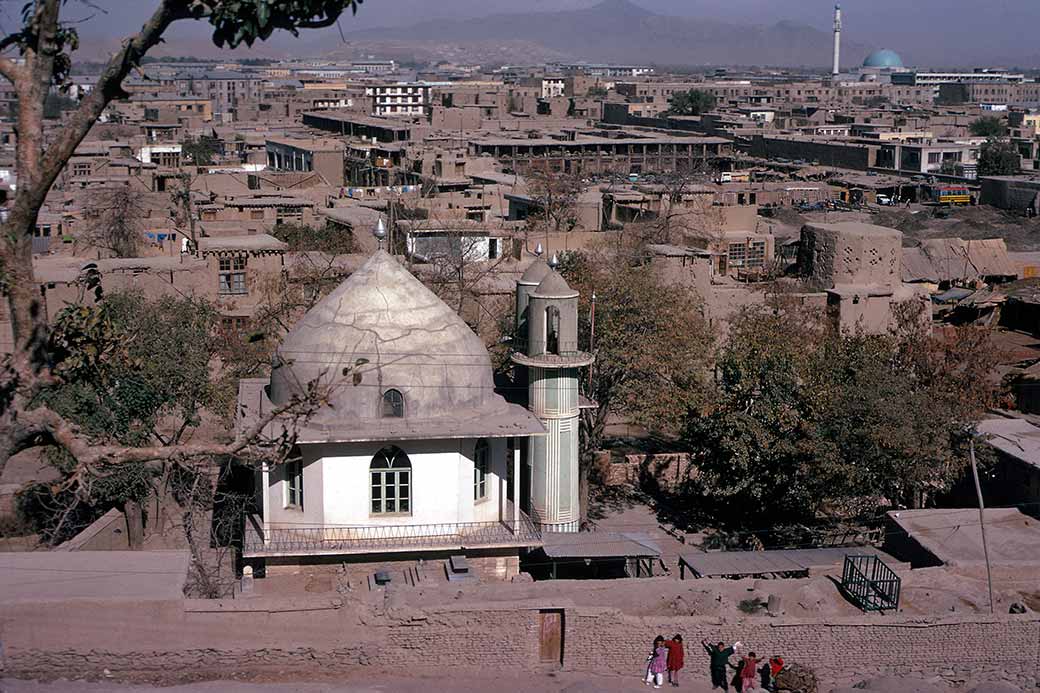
200, 151
807, 419
304, 238
988, 126
999, 157
692, 102
38, 58
132, 372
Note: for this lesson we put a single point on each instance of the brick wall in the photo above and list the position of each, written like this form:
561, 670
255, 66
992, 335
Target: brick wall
840, 651
666, 470
191, 639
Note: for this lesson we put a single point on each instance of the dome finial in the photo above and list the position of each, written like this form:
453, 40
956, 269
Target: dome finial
538, 250
554, 262
380, 232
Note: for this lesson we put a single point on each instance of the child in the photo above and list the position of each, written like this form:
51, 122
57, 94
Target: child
748, 672
658, 663
675, 658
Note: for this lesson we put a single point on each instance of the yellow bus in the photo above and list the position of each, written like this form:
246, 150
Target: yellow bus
951, 195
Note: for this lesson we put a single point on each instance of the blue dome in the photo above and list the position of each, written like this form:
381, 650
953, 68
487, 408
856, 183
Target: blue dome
883, 58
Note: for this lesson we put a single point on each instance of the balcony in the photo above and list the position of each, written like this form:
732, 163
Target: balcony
339, 540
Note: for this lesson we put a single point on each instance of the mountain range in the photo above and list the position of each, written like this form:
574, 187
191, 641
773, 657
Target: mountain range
621, 31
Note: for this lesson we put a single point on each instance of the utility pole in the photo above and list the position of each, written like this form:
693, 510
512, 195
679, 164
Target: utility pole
982, 520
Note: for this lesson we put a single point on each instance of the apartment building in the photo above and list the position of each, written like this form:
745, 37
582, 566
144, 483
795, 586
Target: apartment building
399, 99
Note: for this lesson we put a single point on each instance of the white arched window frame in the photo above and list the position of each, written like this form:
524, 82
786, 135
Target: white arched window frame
481, 464
390, 482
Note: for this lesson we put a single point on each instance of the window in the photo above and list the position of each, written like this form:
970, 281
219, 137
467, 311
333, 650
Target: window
552, 330
391, 473
481, 455
234, 323
510, 448
233, 274
294, 484
393, 404
934, 157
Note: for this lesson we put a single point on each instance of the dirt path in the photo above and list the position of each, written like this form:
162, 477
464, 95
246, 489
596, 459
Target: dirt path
373, 682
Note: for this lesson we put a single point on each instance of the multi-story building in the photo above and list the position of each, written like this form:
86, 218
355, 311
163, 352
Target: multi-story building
318, 155
400, 99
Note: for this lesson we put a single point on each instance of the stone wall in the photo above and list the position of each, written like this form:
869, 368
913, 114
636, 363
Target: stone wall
194, 639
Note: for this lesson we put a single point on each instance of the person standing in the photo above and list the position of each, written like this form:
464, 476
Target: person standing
776, 665
658, 663
749, 672
675, 658
718, 656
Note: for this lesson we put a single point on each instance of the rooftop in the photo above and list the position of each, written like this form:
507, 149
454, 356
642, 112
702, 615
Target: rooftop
260, 241
64, 575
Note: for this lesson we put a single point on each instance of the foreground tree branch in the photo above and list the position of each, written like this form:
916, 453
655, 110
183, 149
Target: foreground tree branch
45, 45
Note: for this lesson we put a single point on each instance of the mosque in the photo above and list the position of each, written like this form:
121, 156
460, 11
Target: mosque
415, 454
880, 65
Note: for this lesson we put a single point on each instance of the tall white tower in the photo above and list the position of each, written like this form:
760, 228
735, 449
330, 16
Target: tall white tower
547, 348
837, 41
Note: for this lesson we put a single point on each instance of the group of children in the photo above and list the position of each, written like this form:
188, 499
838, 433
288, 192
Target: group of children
751, 670
666, 656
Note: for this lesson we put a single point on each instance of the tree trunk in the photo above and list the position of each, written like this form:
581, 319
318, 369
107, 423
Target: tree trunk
134, 524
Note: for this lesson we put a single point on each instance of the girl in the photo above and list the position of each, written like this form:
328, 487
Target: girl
657, 663
748, 672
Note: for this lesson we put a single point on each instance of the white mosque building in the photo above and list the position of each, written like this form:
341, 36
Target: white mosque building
415, 454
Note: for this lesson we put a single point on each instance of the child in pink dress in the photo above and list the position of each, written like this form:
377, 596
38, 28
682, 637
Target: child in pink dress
657, 663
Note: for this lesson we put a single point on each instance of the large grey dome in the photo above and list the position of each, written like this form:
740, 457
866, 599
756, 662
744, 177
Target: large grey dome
393, 333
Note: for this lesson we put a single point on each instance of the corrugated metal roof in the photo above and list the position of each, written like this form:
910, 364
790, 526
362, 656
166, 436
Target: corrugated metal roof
597, 545
765, 562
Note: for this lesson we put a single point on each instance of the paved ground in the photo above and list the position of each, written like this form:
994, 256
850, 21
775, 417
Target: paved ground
542, 683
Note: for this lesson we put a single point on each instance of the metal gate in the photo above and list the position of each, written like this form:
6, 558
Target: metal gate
870, 584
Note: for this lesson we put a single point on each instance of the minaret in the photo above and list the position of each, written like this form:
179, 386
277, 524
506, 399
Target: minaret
836, 69
547, 348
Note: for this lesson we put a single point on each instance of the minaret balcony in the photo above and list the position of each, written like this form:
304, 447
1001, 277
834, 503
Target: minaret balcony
566, 359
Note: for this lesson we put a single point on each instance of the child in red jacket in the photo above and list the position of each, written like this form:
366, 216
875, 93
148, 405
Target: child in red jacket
675, 658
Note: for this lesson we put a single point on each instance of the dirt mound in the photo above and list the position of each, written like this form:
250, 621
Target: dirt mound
896, 684
904, 220
797, 678
997, 687
789, 217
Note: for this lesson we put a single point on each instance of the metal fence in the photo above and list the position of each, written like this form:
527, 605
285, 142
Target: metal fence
325, 539
870, 584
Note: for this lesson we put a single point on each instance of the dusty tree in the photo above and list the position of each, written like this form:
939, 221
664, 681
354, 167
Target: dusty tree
113, 218
555, 196
684, 213
651, 343
36, 58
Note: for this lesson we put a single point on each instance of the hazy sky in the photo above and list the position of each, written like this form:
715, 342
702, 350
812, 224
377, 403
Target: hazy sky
924, 31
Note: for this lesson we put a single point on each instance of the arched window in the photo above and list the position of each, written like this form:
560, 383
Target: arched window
393, 404
481, 459
552, 330
391, 477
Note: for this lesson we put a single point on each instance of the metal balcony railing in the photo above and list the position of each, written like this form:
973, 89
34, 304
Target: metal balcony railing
332, 540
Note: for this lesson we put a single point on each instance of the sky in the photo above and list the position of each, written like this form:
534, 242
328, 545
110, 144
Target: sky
951, 32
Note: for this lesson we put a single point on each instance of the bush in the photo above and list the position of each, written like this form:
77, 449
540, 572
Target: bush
750, 606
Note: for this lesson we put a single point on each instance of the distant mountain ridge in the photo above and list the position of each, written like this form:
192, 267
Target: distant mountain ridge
621, 31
